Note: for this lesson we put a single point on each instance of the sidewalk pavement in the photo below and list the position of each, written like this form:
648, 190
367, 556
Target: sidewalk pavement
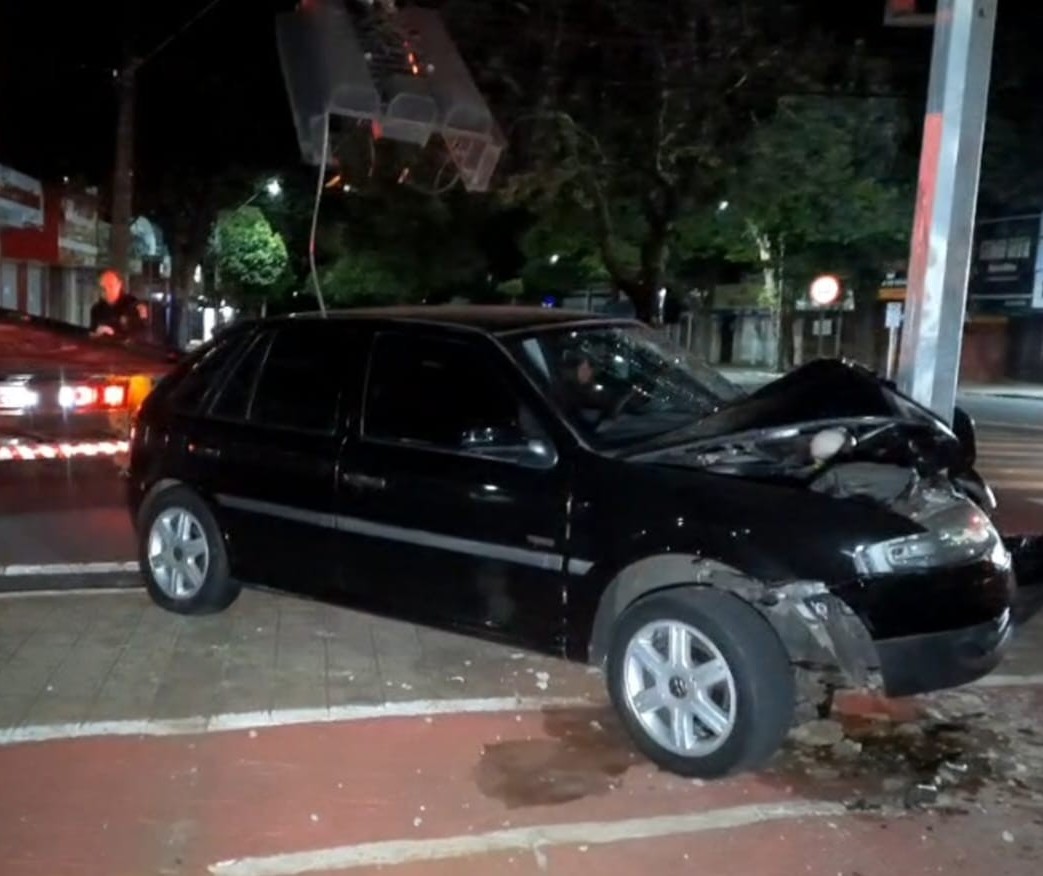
286, 736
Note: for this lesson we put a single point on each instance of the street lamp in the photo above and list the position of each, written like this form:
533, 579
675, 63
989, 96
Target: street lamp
273, 188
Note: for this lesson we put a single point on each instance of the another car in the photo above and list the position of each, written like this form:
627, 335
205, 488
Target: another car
580, 487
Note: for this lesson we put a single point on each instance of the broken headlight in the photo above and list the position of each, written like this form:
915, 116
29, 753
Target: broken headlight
955, 534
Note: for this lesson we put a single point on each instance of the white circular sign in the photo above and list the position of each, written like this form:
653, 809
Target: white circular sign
825, 290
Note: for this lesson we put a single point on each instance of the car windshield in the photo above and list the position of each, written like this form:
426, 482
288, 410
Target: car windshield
621, 385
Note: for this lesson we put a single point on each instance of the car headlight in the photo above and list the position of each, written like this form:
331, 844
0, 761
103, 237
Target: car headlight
955, 534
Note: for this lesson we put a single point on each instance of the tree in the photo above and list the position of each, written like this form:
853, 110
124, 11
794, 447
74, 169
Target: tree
816, 191
1012, 175
394, 245
251, 256
631, 115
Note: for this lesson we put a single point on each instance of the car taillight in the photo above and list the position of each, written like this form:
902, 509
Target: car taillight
77, 396
18, 398
114, 396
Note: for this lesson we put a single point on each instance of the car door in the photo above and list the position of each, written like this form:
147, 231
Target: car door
437, 521
278, 424
195, 437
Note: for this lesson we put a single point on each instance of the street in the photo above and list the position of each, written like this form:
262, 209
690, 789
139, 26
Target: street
288, 737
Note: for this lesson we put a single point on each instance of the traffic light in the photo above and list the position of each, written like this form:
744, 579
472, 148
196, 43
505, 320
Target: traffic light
397, 70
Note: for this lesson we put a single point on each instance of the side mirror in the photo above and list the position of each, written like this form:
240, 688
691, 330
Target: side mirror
509, 444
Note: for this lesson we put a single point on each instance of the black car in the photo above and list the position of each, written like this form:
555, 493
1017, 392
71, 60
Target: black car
581, 487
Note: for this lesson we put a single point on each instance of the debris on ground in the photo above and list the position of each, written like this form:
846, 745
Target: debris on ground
822, 733
957, 755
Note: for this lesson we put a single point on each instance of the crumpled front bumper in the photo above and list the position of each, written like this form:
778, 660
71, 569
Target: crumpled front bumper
938, 661
824, 634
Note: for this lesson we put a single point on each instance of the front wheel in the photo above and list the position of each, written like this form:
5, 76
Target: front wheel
701, 681
183, 556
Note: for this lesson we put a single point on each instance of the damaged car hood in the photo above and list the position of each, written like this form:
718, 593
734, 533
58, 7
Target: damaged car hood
794, 427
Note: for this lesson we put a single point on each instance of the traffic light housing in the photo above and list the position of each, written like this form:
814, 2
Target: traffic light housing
398, 71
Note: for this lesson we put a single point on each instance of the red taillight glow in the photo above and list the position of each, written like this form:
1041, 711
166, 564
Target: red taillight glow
86, 395
77, 396
114, 396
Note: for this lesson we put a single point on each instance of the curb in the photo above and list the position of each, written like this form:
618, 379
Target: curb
41, 578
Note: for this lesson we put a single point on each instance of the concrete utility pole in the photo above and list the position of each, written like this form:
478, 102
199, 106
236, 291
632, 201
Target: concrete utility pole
123, 174
943, 231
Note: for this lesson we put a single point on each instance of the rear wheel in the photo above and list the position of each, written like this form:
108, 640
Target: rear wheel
183, 555
701, 681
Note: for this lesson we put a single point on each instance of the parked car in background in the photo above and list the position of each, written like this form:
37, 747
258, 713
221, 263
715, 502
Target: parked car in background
576, 485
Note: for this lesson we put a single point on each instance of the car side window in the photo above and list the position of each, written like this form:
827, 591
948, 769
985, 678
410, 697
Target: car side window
442, 394
299, 387
233, 399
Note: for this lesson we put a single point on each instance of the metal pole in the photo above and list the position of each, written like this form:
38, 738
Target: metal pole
892, 344
950, 167
123, 176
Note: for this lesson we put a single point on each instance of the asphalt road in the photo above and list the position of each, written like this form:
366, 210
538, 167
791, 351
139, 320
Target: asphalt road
997, 412
56, 513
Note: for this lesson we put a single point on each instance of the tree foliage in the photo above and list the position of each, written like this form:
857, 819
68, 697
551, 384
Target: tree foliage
251, 256
628, 120
816, 191
395, 245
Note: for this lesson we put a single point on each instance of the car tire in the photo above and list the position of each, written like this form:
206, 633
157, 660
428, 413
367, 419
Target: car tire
735, 663
182, 555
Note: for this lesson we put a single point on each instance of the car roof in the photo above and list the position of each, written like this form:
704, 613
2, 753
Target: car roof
491, 318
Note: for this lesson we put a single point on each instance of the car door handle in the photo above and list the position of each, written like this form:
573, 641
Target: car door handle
204, 451
363, 481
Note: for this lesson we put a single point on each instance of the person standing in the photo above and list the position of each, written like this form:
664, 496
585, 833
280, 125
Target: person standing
116, 313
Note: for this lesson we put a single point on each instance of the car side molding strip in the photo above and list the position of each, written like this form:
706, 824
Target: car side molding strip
554, 562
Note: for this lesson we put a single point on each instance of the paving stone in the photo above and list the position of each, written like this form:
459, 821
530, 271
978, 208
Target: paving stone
55, 708
14, 708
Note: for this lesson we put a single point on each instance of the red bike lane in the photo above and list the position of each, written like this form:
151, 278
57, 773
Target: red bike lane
558, 791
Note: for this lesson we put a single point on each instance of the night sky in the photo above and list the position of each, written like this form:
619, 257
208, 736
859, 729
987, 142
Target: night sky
215, 93
215, 96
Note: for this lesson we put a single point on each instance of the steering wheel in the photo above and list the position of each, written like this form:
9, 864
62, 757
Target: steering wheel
621, 404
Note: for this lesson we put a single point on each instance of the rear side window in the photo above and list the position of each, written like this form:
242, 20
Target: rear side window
300, 384
189, 393
233, 402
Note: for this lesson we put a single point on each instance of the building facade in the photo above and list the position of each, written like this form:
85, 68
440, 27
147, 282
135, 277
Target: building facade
53, 242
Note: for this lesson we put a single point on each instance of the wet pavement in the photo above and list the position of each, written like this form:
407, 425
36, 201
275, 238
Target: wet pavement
291, 737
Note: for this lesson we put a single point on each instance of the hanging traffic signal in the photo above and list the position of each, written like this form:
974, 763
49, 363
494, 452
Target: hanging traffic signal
400, 72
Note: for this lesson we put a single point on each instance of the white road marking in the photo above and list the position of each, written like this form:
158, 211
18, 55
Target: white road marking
523, 839
54, 569
79, 591
990, 427
223, 723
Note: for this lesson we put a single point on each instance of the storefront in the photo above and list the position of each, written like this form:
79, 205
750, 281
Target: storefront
50, 263
1003, 329
1005, 299
22, 280
79, 256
